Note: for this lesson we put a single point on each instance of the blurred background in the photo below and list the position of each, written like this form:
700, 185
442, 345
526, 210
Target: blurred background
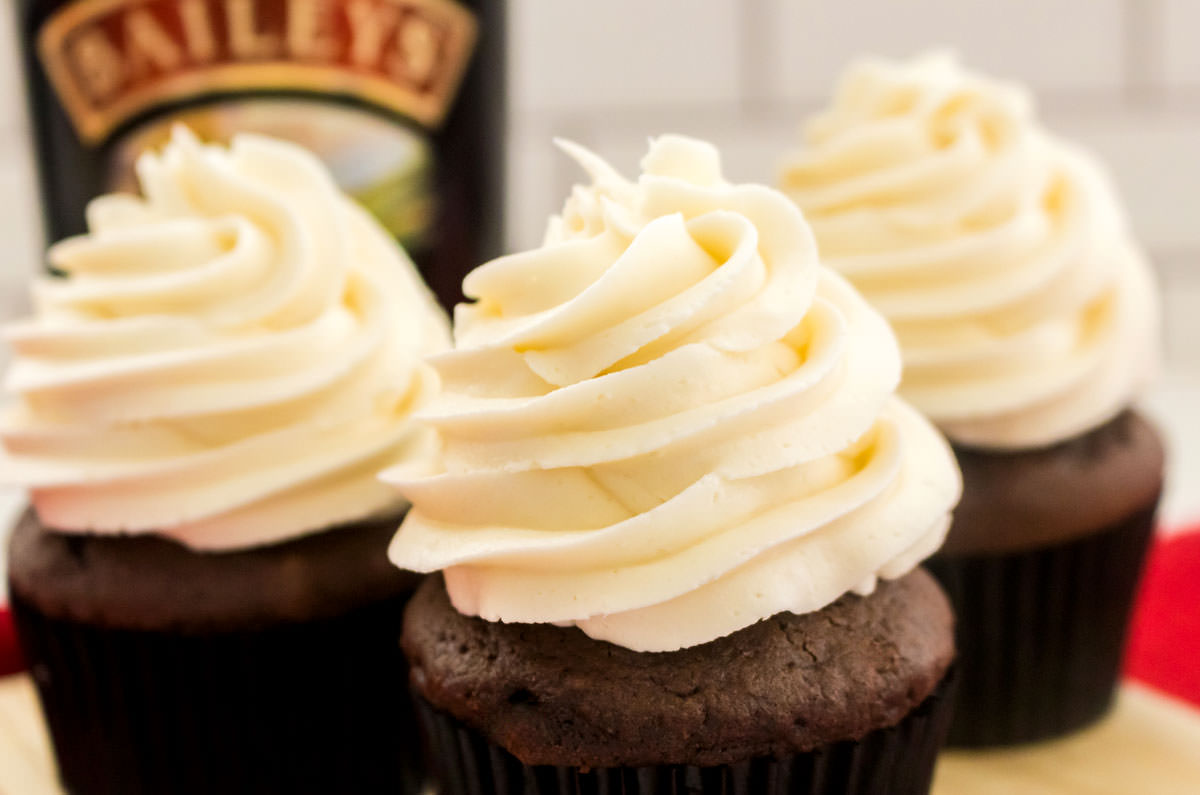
1121, 76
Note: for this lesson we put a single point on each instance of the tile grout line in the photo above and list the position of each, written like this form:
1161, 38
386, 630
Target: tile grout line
754, 62
1185, 107
1142, 42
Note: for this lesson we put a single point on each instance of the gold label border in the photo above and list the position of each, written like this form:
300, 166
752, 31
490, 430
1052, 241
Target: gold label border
95, 123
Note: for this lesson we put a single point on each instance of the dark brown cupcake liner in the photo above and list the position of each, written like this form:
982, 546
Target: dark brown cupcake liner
319, 707
1041, 633
898, 760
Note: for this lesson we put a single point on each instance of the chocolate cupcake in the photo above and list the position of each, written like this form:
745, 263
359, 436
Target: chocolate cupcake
1027, 319
794, 703
204, 398
677, 511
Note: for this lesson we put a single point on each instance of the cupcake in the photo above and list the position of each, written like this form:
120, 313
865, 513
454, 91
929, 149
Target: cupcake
1027, 320
678, 511
203, 399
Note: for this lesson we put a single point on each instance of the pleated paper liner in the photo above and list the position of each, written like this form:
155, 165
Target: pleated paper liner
319, 707
898, 760
1040, 633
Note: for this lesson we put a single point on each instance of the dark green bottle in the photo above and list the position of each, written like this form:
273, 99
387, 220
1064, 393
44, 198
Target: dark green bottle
404, 99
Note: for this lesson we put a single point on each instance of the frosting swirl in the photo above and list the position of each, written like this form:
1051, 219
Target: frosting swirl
669, 421
229, 361
1025, 313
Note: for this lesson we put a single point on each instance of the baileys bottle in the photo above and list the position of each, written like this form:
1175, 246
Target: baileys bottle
403, 99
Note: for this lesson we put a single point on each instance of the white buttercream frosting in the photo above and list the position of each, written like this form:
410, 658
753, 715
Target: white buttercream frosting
228, 361
670, 421
1025, 313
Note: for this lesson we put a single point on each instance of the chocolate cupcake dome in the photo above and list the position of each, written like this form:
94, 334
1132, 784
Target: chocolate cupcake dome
559, 698
265, 670
745, 709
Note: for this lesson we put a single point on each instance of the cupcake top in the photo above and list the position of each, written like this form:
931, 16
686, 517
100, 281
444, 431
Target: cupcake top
1024, 310
227, 361
670, 421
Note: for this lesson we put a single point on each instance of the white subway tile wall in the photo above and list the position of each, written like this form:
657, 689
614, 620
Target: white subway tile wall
592, 56
1180, 26
1154, 156
1053, 46
1121, 76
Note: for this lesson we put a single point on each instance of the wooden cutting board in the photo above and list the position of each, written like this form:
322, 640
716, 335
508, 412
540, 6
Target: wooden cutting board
1149, 744
26, 767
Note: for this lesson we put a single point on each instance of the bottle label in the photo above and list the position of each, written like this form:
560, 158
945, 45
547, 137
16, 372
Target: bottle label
385, 166
109, 60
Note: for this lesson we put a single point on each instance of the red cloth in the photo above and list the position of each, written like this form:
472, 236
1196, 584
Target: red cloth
10, 655
1164, 640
